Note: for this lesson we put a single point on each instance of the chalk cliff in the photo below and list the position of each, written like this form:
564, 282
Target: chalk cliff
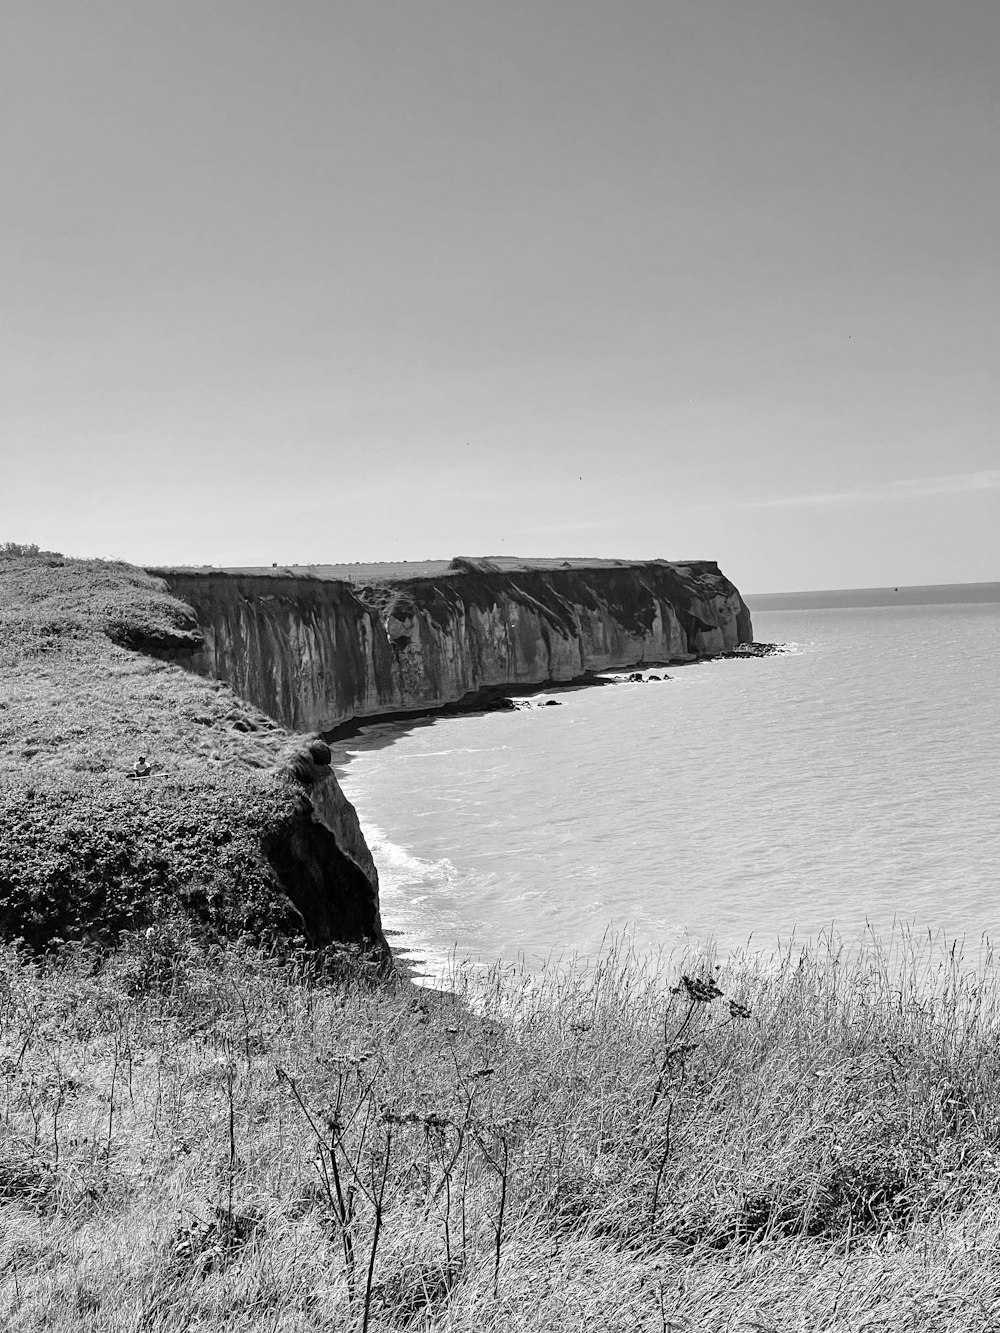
323, 645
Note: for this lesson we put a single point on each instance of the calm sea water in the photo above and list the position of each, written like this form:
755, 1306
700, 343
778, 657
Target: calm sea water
852, 781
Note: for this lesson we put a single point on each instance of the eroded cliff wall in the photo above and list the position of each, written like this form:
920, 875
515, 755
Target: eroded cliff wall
314, 650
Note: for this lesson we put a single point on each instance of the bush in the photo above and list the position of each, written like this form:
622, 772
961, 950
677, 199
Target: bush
88, 857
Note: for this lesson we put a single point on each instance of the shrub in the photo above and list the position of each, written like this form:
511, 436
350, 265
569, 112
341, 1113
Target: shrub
87, 857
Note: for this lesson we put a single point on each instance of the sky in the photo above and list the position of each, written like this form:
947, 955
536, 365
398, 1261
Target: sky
333, 280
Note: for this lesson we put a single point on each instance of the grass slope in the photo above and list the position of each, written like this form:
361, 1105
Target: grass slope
75, 699
211, 1139
84, 848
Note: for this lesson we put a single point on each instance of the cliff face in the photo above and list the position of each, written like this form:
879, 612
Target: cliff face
314, 650
322, 859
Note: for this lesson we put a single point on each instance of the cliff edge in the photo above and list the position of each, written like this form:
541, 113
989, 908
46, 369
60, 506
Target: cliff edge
131, 789
320, 646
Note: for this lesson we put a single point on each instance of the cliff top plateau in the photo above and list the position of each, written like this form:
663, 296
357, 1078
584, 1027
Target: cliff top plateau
388, 571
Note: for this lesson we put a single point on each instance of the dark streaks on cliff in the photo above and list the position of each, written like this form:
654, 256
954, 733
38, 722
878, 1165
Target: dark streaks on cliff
318, 651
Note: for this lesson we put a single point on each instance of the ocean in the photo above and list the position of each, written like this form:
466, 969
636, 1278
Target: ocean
848, 785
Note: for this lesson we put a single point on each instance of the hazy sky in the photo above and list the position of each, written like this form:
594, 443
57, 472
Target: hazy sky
321, 280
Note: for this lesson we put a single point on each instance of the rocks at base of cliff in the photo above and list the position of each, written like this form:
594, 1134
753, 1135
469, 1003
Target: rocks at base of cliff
637, 678
484, 701
757, 650
504, 704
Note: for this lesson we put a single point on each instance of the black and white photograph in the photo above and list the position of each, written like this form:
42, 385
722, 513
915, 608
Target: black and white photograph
499, 689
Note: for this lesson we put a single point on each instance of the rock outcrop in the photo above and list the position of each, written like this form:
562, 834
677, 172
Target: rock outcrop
323, 861
324, 645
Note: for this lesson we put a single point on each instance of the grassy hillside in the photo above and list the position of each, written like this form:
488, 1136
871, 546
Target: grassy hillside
75, 699
209, 1139
86, 848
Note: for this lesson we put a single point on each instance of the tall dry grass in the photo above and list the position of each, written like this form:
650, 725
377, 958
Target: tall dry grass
199, 1138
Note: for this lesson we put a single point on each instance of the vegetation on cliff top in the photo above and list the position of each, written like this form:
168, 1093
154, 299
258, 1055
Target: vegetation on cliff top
73, 698
48, 602
86, 848
83, 858
209, 1139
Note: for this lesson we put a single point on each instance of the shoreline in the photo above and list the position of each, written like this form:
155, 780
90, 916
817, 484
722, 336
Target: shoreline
503, 698
425, 964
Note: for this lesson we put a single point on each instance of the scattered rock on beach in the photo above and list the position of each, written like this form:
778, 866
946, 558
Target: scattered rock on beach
501, 704
757, 650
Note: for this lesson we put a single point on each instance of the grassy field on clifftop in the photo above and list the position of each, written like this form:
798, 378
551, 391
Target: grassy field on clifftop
205, 1138
75, 699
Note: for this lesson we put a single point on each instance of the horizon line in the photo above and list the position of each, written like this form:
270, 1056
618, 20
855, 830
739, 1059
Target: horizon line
876, 587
